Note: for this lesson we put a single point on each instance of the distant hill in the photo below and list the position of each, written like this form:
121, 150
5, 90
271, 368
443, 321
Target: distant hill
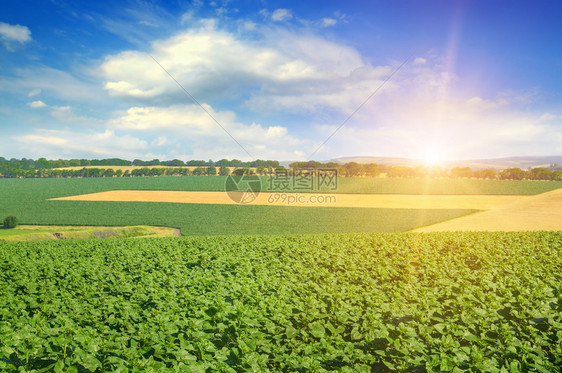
475, 164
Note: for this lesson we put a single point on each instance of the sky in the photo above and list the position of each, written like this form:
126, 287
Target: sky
284, 80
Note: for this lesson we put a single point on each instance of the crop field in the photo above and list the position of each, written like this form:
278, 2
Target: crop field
485, 302
541, 212
37, 232
407, 201
28, 199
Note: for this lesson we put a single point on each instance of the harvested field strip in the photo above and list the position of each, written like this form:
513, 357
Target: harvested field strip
49, 232
536, 213
475, 202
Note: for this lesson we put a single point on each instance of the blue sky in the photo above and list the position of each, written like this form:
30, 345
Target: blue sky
479, 79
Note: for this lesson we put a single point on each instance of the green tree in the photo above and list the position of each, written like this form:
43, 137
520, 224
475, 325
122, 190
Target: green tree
372, 170
485, 174
211, 170
540, 173
261, 170
199, 171
224, 171
353, 169
512, 174
10, 222
461, 172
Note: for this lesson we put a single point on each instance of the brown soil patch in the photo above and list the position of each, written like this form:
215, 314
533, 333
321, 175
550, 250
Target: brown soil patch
476, 202
536, 213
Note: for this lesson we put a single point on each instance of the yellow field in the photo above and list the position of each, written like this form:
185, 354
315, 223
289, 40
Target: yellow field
501, 213
542, 212
477, 202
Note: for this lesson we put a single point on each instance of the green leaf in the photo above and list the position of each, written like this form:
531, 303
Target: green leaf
355, 335
291, 332
317, 330
90, 362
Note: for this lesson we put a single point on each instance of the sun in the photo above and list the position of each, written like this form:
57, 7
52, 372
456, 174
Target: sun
432, 157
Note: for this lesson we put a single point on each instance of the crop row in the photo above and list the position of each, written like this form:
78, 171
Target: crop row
355, 302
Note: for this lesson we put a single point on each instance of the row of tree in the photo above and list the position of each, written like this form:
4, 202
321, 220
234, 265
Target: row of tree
42, 168
353, 169
141, 171
30, 164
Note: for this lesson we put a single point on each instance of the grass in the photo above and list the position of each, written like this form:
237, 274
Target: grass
27, 199
37, 232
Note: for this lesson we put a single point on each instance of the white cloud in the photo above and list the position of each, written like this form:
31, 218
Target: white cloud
65, 114
186, 17
147, 23
36, 104
221, 11
281, 15
14, 33
420, 61
292, 71
54, 83
417, 121
70, 144
160, 141
547, 117
250, 26
328, 22
189, 124
34, 92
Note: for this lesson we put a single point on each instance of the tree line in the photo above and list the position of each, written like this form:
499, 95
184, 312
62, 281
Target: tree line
354, 169
43, 168
29, 168
25, 163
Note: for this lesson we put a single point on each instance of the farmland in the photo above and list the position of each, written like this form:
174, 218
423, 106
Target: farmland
242, 298
356, 302
36, 232
541, 212
408, 201
28, 199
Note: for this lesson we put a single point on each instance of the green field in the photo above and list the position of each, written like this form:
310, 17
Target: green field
27, 199
309, 303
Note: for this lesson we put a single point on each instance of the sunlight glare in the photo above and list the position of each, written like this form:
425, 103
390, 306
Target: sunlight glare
432, 157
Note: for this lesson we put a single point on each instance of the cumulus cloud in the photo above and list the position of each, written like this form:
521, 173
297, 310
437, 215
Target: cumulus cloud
61, 143
66, 114
160, 141
419, 61
34, 92
547, 117
36, 104
413, 125
291, 71
10, 34
281, 15
188, 122
328, 22
54, 83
